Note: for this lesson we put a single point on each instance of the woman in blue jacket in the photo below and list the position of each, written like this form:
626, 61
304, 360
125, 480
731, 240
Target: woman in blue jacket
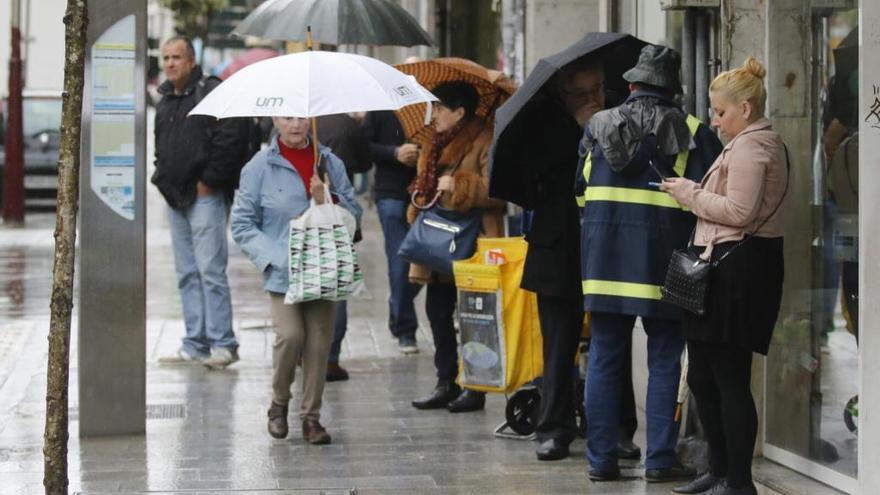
277, 186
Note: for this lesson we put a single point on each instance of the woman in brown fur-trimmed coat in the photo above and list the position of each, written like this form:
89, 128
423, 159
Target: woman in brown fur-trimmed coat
455, 163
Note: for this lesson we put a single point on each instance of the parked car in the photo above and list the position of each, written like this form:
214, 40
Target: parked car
41, 119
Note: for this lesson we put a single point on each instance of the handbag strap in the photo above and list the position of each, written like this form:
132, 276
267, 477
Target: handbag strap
433, 202
779, 205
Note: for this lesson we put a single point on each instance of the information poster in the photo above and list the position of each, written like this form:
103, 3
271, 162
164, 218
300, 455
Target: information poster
113, 117
482, 338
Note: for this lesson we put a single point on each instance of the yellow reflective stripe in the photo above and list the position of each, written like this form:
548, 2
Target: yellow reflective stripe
681, 163
627, 195
693, 124
588, 166
621, 289
581, 201
681, 160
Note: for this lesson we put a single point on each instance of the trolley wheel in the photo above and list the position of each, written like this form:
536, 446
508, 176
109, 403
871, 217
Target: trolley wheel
522, 411
580, 415
851, 415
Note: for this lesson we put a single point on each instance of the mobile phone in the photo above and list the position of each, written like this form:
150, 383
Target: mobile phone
656, 170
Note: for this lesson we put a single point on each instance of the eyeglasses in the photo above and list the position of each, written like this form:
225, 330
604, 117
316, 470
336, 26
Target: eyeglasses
582, 94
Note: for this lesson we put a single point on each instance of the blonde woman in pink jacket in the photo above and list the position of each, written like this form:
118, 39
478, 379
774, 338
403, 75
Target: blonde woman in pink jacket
741, 198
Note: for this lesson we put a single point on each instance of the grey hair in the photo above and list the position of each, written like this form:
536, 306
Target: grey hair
190, 49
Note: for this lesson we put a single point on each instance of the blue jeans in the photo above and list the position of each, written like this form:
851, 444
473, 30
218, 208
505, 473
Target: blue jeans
340, 327
402, 320
611, 334
198, 236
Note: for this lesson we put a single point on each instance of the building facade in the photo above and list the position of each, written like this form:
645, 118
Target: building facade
816, 405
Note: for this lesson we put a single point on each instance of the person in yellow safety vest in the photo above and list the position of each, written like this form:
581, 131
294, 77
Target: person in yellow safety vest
628, 232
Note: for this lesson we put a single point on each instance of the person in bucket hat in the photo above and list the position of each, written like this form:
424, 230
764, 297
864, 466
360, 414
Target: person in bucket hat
658, 66
629, 231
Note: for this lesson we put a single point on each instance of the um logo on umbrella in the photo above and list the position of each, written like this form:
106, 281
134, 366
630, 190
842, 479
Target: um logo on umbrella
270, 101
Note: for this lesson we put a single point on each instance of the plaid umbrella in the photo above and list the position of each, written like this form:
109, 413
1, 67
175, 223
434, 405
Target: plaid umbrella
493, 87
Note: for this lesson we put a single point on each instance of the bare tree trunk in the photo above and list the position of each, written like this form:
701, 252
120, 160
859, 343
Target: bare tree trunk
55, 448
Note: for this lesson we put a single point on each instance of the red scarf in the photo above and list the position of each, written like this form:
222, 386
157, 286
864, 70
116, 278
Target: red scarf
425, 183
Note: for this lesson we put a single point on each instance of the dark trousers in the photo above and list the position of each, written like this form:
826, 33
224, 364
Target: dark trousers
628, 421
402, 320
340, 326
440, 307
720, 378
561, 328
610, 341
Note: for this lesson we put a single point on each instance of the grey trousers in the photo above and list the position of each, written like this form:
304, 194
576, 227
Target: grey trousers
306, 330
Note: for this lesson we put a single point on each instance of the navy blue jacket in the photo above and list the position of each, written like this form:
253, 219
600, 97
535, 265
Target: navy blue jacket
630, 228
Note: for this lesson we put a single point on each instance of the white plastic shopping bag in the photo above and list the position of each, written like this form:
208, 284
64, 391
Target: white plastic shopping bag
323, 260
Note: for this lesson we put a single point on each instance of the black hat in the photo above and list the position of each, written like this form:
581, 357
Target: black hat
658, 66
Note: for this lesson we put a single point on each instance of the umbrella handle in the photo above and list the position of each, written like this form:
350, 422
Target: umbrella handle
415, 194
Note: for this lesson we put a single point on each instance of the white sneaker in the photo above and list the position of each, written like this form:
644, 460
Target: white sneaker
221, 357
180, 356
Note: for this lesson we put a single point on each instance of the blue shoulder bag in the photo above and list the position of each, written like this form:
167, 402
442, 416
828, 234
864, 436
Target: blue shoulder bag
440, 236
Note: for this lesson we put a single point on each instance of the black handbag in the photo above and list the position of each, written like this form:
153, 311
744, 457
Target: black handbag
688, 277
687, 281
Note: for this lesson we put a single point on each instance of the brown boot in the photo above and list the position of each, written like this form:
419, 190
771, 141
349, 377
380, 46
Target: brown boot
314, 433
278, 420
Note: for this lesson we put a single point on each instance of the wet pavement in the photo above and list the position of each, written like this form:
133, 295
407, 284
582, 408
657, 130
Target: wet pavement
206, 430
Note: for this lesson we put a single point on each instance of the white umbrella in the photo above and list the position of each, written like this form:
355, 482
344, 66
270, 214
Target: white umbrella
311, 84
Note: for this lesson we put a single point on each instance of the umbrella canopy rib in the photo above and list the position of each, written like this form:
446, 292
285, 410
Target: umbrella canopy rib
335, 22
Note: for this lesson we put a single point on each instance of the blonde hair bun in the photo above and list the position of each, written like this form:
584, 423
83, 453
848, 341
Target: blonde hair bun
754, 68
745, 83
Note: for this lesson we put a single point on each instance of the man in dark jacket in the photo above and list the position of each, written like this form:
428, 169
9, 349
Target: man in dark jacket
197, 166
552, 267
628, 233
395, 162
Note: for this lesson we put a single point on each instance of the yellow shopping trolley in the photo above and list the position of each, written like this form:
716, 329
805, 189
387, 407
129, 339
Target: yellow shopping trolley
501, 343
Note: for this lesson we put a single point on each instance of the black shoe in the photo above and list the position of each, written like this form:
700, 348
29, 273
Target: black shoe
336, 373
278, 420
553, 449
468, 401
628, 450
675, 473
604, 475
702, 484
724, 489
443, 394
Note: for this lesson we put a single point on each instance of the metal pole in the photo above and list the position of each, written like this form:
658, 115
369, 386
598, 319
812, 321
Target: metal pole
701, 89
688, 35
13, 174
606, 16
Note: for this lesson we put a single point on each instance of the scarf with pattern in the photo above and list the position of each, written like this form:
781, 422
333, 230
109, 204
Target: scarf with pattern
425, 183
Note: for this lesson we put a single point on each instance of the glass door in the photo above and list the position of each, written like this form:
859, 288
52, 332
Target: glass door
812, 368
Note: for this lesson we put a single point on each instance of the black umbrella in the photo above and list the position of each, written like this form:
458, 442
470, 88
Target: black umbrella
618, 53
335, 22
